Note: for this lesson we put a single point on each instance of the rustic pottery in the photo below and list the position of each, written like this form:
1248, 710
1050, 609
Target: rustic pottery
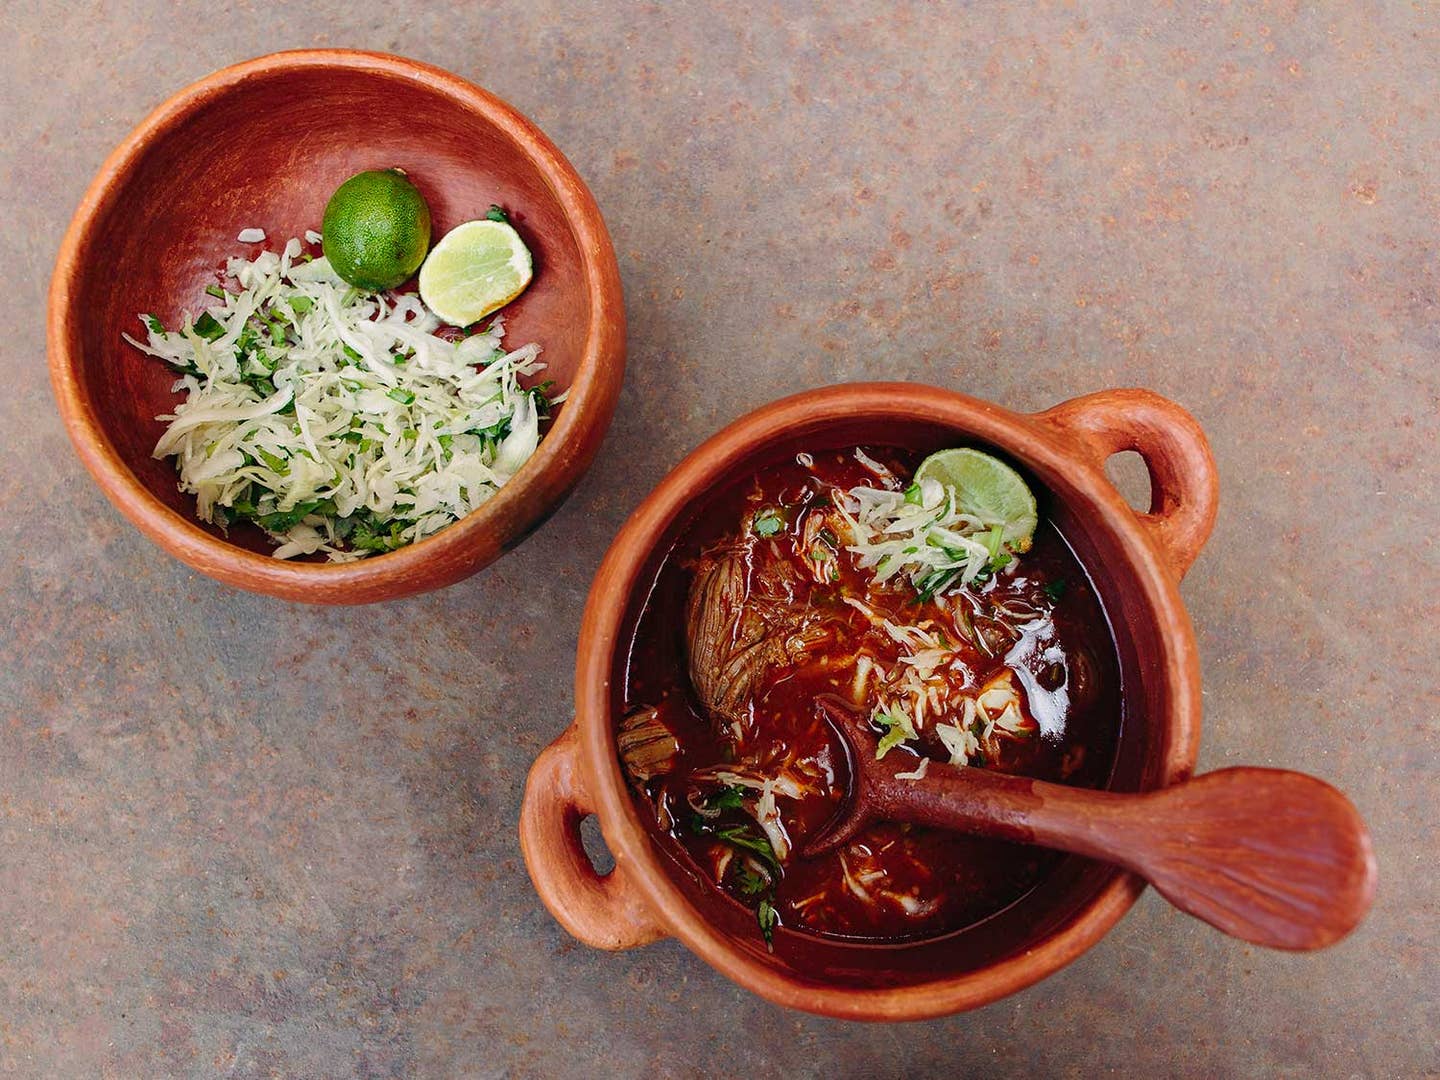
1136, 561
263, 144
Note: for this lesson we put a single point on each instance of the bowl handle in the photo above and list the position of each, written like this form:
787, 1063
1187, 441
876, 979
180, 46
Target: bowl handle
603, 910
1184, 486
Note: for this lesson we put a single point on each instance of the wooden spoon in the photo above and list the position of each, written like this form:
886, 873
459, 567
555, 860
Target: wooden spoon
1274, 857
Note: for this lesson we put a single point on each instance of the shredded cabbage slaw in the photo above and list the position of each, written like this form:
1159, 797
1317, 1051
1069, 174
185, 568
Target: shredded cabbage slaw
337, 420
921, 533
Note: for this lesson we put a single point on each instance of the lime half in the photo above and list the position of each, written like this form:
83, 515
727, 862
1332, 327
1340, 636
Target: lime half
988, 488
477, 268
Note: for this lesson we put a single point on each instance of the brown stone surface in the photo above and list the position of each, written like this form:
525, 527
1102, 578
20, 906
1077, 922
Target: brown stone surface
244, 838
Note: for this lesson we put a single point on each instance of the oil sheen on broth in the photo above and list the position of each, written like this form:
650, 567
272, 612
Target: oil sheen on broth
759, 609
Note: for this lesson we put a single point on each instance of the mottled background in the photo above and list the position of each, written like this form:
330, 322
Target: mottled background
244, 838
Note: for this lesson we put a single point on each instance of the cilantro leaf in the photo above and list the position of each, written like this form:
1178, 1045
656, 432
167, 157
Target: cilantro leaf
727, 798
768, 918
496, 213
275, 461
767, 523
750, 883
208, 327
897, 727
284, 520
370, 535
742, 838
934, 583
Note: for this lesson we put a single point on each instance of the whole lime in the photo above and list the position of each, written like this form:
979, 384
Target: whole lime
376, 229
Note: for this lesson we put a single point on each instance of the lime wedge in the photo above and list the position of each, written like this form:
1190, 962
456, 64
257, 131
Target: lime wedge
477, 268
988, 488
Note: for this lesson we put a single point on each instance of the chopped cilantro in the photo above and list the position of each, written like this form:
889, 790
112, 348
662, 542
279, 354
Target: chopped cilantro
1055, 589
768, 522
541, 396
730, 797
370, 535
284, 520
496, 213
208, 327
301, 304
154, 325
247, 342
934, 583
496, 431
750, 883
768, 919
277, 464
897, 727
741, 837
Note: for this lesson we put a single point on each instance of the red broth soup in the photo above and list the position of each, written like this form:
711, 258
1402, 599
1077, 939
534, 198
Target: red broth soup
765, 604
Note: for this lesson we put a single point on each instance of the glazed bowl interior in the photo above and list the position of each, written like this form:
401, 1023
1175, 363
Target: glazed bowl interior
1151, 751
264, 145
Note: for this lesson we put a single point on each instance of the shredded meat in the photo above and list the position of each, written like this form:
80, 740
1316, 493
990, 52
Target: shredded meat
740, 625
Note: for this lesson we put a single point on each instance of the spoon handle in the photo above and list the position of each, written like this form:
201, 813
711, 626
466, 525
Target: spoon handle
1274, 857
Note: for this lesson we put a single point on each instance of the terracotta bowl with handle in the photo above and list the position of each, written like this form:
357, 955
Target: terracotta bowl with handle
1135, 560
264, 144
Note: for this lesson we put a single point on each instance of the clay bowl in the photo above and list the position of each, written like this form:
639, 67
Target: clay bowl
264, 143
1136, 562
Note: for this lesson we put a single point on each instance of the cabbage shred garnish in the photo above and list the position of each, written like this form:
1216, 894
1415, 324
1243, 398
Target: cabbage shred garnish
921, 535
336, 420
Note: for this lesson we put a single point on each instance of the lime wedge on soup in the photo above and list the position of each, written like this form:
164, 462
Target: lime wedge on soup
987, 488
477, 268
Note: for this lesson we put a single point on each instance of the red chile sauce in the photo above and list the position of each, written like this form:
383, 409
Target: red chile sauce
892, 882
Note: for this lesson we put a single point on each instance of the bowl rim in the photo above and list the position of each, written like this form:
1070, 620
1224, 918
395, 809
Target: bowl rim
1031, 441
544, 480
